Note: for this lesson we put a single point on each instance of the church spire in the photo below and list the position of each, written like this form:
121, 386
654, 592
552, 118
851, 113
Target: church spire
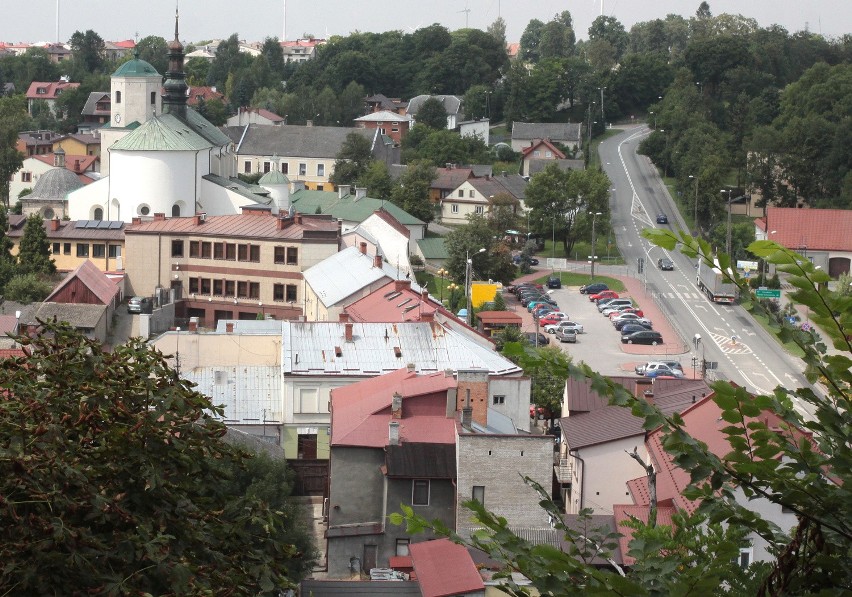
174, 98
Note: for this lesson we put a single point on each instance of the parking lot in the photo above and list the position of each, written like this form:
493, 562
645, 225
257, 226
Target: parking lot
600, 346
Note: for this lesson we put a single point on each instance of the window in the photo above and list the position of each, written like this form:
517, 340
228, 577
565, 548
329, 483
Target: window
461, 192
117, 97
303, 169
177, 248
254, 253
402, 547
194, 248
478, 494
479, 209
175, 210
471, 193
66, 248
247, 167
420, 492
454, 208
114, 251
307, 401
499, 399
56, 248
548, 154
320, 187
382, 131
292, 256
291, 293
193, 285
26, 176
536, 153
153, 98
99, 251
230, 251
229, 287
82, 249
47, 214
746, 557
320, 169
144, 210
218, 287
206, 250
278, 292
242, 289
279, 254
266, 167
205, 285
218, 250
254, 290
242, 252
99, 214
395, 129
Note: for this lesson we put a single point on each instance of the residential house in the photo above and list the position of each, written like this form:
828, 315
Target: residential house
354, 208
386, 235
398, 438
432, 251
47, 92
526, 133
57, 53
198, 95
306, 153
379, 103
206, 52
90, 286
390, 124
36, 142
229, 267
300, 50
96, 112
445, 568
91, 320
541, 153
75, 144
260, 116
84, 167
824, 236
474, 194
512, 50
448, 180
115, 51
452, 105
593, 469
476, 128
76, 242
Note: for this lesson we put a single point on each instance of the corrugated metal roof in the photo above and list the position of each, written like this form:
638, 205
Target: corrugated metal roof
384, 116
348, 207
343, 274
240, 188
444, 568
309, 348
256, 226
93, 279
206, 129
164, 132
433, 248
250, 394
295, 141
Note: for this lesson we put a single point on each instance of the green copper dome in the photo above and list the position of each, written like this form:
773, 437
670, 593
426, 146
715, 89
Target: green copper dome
273, 177
136, 68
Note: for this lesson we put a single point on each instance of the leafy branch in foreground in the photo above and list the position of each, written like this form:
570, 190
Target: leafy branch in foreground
776, 454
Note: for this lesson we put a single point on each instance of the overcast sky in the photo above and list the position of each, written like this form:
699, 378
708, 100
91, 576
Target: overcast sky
114, 20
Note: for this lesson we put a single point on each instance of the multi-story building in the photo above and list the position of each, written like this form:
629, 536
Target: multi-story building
229, 267
47, 92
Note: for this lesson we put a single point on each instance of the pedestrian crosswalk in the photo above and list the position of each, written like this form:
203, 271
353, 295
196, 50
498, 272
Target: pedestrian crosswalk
690, 296
729, 345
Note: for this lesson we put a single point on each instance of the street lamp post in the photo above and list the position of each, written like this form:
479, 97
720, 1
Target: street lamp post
593, 256
603, 118
443, 273
469, 263
666, 164
728, 234
695, 205
696, 342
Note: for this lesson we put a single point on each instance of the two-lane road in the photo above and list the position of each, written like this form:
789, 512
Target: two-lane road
745, 353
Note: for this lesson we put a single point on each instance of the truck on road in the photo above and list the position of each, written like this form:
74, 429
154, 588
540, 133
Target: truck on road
715, 285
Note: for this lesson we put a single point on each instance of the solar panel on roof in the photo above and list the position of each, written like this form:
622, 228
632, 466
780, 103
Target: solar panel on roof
115, 225
81, 223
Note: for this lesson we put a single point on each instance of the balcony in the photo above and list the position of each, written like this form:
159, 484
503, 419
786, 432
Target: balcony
563, 468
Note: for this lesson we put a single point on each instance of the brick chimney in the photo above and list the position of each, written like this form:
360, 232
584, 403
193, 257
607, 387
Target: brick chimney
297, 217
643, 386
424, 295
363, 248
400, 285
427, 316
54, 224
136, 220
348, 331
467, 416
473, 393
393, 433
193, 326
198, 220
377, 260
411, 367
343, 317
396, 406
360, 193
229, 327
159, 217
282, 223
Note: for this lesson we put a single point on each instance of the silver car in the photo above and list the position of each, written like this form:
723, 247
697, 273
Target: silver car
569, 325
566, 335
651, 365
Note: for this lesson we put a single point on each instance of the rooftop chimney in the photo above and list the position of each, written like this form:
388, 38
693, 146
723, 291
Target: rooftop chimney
348, 331
54, 224
363, 248
297, 217
136, 220
424, 295
377, 260
229, 327
343, 317
396, 406
59, 158
282, 223
452, 397
467, 415
198, 219
399, 285
427, 316
343, 190
411, 367
360, 193
193, 326
393, 433
642, 384
159, 217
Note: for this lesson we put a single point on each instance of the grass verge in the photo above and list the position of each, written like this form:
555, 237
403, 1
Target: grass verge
575, 279
790, 347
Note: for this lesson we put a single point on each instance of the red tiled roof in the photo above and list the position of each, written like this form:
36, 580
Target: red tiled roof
624, 512
127, 44
393, 302
93, 279
8, 323
75, 163
239, 225
12, 353
499, 317
450, 178
302, 43
50, 89
361, 411
203, 93
265, 113
444, 568
815, 229
557, 154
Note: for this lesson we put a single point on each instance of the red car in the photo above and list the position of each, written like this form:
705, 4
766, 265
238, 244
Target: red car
604, 294
555, 317
635, 310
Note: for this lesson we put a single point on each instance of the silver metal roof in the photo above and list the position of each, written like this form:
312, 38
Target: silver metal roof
311, 348
251, 395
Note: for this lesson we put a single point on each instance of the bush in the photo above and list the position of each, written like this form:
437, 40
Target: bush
26, 289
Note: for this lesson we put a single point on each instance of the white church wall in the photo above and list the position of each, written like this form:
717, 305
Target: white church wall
148, 182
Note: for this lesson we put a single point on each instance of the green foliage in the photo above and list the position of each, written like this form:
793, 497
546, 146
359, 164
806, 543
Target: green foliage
26, 288
87, 49
34, 249
377, 180
13, 115
444, 147
432, 114
120, 471
352, 160
154, 50
213, 110
412, 192
495, 263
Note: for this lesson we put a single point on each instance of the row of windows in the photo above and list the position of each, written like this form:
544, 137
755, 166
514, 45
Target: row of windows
153, 97
285, 168
454, 208
471, 194
240, 289
96, 250
233, 252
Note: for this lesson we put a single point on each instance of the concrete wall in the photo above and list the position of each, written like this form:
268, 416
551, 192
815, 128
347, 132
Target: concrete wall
516, 399
607, 471
311, 179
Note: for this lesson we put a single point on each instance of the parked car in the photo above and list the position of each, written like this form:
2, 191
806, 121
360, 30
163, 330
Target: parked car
140, 304
542, 339
517, 259
526, 286
662, 218
544, 301
629, 328
573, 325
665, 264
593, 288
664, 371
650, 365
542, 310
629, 318
554, 282
566, 335
603, 294
552, 317
644, 337
620, 312
613, 305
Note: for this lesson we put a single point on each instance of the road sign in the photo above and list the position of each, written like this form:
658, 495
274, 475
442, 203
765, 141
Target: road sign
768, 293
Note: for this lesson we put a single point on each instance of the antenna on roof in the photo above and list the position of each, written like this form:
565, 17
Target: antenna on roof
292, 211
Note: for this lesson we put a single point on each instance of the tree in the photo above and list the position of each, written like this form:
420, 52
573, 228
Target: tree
412, 193
503, 212
87, 50
352, 159
197, 70
26, 288
530, 41
273, 55
432, 114
127, 487
154, 50
497, 30
214, 110
13, 115
494, 263
547, 368
351, 103
34, 251
377, 180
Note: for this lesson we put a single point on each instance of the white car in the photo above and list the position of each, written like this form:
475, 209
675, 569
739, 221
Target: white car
632, 318
570, 325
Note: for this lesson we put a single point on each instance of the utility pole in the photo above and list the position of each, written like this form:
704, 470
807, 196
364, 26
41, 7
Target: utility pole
593, 256
467, 281
728, 235
695, 207
603, 118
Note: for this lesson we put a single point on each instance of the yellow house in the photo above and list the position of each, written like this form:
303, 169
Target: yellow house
79, 144
72, 243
